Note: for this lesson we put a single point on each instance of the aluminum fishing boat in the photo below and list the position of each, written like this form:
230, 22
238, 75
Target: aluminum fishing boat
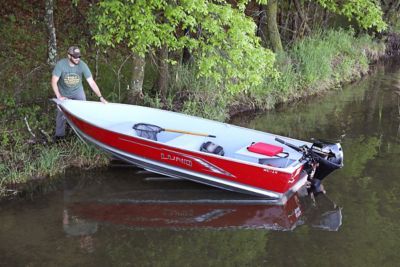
204, 151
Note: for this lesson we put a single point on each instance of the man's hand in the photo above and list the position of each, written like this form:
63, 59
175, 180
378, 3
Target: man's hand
103, 100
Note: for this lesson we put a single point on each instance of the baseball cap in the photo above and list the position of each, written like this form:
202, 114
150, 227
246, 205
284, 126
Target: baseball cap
74, 51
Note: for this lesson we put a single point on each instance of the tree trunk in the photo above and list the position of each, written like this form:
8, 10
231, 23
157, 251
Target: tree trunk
261, 26
162, 81
135, 92
187, 57
304, 29
52, 42
272, 26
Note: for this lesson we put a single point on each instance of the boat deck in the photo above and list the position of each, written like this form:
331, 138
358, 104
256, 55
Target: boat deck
234, 140
233, 149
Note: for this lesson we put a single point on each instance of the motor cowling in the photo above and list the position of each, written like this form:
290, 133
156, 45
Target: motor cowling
329, 157
332, 151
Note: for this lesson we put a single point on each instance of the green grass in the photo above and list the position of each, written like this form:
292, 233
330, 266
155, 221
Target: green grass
25, 157
317, 63
47, 161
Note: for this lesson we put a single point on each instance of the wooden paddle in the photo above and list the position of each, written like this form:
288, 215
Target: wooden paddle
184, 132
157, 129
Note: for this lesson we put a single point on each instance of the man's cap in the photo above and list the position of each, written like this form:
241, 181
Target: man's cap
74, 51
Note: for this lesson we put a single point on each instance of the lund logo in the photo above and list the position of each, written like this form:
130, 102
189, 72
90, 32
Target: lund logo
184, 161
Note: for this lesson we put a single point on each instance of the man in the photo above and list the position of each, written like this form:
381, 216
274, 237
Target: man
66, 82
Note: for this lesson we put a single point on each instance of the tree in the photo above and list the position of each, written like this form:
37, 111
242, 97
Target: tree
220, 37
52, 41
136, 87
367, 13
272, 26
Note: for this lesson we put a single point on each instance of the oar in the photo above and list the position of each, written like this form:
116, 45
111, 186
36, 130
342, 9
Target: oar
157, 129
185, 132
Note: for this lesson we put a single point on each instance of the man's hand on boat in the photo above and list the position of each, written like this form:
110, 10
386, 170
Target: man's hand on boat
103, 100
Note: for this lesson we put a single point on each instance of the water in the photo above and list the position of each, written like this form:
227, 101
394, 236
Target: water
126, 217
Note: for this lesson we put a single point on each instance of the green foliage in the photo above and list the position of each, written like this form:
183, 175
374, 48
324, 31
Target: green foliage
191, 95
207, 105
221, 38
328, 55
21, 53
198, 96
367, 13
316, 63
391, 15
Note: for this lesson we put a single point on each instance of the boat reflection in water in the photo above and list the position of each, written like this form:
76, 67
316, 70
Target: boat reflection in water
194, 206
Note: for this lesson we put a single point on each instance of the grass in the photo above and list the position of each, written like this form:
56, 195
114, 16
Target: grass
46, 162
318, 63
26, 154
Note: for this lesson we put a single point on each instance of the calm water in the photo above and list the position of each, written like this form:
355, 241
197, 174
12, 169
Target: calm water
127, 217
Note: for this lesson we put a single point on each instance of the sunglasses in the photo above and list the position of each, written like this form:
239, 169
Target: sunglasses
75, 56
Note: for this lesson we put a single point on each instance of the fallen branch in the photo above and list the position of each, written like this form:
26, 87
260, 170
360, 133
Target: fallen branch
47, 135
29, 128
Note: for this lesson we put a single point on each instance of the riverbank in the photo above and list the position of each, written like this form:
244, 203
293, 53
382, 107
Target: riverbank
318, 63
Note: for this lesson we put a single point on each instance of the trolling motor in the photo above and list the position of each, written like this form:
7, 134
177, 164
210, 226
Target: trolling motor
322, 158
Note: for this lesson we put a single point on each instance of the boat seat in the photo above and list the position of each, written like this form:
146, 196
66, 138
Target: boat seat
186, 141
267, 150
258, 152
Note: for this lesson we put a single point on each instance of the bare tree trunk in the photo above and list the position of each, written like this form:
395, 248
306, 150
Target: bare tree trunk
315, 17
52, 42
295, 24
304, 26
272, 26
135, 93
162, 81
325, 18
261, 27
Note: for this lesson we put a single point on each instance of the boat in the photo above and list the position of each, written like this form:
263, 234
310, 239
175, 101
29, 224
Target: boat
204, 151
184, 206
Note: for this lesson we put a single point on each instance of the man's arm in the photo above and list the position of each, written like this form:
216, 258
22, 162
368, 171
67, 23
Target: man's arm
54, 80
96, 89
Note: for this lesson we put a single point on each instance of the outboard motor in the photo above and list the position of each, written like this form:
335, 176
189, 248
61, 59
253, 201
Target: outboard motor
323, 157
329, 157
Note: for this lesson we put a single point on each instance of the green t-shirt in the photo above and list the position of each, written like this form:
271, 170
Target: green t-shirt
70, 80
